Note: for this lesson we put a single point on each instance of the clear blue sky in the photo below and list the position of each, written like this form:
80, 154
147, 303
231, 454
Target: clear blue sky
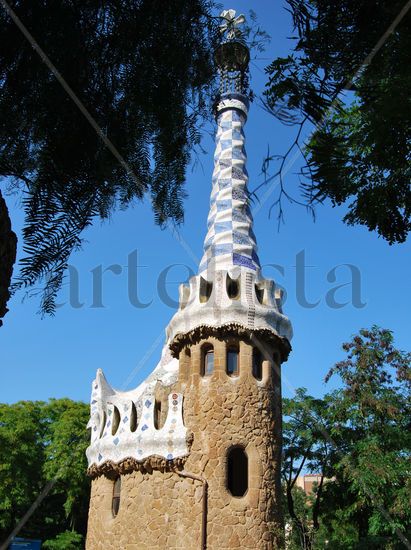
57, 357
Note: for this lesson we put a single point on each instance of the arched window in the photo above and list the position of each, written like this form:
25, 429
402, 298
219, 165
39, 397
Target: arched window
206, 289
115, 502
232, 361
259, 292
257, 364
233, 288
207, 361
237, 471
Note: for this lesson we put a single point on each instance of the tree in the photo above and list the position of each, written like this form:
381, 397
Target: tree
21, 456
371, 421
8, 250
356, 438
348, 79
42, 452
97, 112
65, 457
306, 447
69, 540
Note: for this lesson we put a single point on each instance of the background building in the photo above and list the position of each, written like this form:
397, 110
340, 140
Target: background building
307, 482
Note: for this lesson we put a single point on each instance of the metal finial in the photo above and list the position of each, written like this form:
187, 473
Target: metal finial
230, 26
232, 55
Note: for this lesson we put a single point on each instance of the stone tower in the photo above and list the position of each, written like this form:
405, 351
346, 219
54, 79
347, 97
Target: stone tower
191, 458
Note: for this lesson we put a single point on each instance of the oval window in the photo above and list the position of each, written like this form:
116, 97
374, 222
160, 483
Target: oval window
115, 421
237, 472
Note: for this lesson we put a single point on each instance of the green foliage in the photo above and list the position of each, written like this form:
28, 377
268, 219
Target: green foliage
119, 58
357, 98
358, 439
306, 446
43, 445
21, 455
65, 458
68, 540
371, 414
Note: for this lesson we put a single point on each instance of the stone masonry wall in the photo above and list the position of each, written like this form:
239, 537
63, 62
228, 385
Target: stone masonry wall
157, 510
162, 510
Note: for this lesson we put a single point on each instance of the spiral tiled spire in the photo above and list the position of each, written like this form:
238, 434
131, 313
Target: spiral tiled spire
230, 240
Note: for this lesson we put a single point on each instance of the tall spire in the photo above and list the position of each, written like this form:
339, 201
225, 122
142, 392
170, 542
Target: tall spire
230, 240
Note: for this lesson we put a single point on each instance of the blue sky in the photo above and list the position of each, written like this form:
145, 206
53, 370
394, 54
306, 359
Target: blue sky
58, 357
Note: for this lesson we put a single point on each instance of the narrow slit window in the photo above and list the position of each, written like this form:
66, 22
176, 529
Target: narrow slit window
237, 472
157, 414
115, 420
207, 362
133, 417
103, 423
232, 362
257, 364
115, 503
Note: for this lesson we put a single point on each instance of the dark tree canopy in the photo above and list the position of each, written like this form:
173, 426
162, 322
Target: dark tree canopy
360, 151
8, 248
143, 70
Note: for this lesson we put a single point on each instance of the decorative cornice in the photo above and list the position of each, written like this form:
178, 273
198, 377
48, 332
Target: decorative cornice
265, 336
123, 424
129, 464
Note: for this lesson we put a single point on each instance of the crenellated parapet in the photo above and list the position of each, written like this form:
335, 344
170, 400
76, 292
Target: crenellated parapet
232, 298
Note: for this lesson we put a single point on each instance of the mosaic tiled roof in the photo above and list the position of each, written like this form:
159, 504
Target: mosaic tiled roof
230, 240
122, 423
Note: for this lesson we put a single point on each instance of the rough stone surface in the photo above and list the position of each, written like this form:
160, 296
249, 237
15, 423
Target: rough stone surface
160, 509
